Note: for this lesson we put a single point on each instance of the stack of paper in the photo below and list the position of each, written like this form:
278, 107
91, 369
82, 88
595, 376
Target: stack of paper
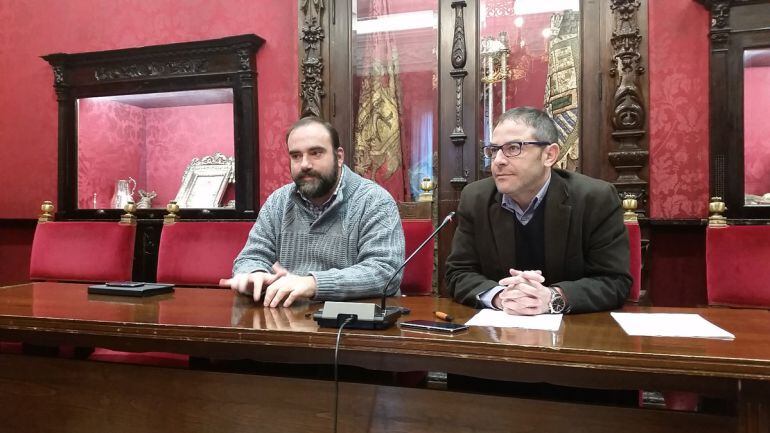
669, 325
501, 319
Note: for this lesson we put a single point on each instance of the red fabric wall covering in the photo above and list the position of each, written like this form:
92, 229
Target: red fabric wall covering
678, 111
28, 113
756, 138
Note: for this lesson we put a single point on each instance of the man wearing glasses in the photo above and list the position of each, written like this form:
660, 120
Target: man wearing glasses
534, 239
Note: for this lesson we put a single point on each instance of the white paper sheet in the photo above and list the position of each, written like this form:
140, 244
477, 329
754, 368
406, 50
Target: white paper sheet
669, 325
501, 319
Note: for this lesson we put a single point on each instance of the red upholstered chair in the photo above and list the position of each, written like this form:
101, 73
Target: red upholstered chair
418, 273
630, 204
635, 268
193, 254
200, 253
82, 251
737, 271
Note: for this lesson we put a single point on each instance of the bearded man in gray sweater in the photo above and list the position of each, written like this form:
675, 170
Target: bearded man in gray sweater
329, 235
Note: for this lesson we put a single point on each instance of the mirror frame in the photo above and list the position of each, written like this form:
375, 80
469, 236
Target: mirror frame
736, 25
210, 64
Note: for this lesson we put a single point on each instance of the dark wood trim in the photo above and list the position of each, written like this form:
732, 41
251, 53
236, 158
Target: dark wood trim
735, 26
594, 54
459, 111
674, 222
153, 399
340, 90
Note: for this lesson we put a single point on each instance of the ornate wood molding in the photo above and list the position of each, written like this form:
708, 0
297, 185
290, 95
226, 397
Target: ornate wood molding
628, 118
459, 57
720, 18
152, 69
311, 35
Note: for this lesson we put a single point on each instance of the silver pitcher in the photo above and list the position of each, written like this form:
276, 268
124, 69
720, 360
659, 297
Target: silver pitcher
122, 194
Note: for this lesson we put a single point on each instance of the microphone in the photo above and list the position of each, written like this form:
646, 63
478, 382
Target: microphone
366, 315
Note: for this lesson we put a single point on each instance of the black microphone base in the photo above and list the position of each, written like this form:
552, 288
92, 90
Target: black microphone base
382, 319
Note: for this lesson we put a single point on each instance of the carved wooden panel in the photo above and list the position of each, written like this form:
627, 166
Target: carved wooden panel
312, 35
628, 115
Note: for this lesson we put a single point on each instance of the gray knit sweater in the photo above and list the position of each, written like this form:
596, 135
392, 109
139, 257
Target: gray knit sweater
351, 249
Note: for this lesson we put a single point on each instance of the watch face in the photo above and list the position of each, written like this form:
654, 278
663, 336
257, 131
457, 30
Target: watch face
557, 302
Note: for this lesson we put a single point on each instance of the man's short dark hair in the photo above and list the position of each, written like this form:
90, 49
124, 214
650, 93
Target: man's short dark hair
539, 120
313, 119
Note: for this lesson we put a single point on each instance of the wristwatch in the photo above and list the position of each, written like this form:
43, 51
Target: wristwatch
557, 305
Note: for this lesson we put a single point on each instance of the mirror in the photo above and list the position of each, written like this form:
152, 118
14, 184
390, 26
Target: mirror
756, 128
150, 138
132, 120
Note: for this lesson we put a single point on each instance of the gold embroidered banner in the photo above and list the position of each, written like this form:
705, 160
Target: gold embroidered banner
561, 98
378, 152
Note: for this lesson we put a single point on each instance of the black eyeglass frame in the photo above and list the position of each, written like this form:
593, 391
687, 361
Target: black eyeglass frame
490, 151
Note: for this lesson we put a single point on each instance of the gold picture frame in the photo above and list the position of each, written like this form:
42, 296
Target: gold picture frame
205, 180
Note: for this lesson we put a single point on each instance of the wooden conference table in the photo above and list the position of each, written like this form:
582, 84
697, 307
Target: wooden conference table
47, 394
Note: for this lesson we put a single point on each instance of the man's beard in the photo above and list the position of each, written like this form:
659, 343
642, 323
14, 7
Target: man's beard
319, 186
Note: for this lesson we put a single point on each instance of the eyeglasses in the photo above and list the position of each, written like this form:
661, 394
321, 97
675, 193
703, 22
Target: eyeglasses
510, 149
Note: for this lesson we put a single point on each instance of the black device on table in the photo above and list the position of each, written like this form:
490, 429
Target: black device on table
130, 288
429, 325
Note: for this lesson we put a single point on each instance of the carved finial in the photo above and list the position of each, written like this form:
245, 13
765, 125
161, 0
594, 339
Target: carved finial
630, 204
172, 216
427, 186
717, 208
129, 218
47, 212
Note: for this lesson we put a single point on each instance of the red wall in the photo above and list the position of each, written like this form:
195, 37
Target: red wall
28, 111
678, 113
756, 103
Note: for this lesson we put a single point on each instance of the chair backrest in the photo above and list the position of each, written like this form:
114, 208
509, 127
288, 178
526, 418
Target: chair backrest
737, 271
635, 265
418, 274
200, 253
82, 251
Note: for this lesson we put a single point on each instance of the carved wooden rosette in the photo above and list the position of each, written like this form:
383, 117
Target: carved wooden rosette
459, 57
311, 35
628, 117
720, 18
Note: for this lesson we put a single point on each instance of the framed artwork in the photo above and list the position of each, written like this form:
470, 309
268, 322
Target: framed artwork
204, 181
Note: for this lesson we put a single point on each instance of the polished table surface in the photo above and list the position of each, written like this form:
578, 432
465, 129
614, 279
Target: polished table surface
589, 351
177, 321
